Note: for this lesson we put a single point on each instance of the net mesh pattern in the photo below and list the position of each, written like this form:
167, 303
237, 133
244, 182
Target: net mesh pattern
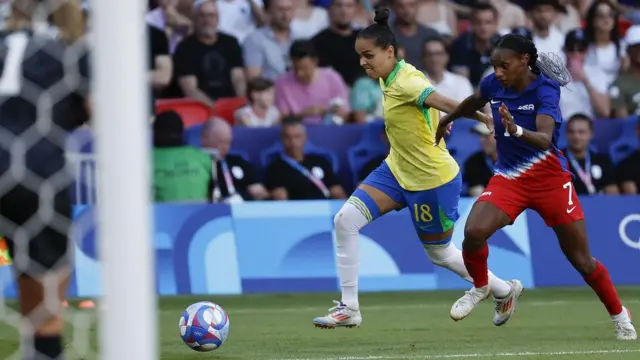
40, 79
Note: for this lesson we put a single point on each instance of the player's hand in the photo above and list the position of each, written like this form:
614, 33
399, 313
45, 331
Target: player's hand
487, 120
507, 120
444, 128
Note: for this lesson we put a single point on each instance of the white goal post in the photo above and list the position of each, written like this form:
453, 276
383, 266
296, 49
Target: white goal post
120, 100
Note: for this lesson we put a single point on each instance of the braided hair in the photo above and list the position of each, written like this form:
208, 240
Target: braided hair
549, 64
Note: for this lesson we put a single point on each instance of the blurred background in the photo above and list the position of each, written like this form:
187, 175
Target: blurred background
235, 83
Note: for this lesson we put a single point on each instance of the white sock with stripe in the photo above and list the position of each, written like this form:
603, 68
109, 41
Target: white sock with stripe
348, 222
450, 257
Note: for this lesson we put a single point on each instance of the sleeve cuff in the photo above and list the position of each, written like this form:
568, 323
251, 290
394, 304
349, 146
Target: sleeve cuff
423, 96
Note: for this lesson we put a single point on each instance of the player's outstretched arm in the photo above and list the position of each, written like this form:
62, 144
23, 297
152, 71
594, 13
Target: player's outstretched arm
467, 108
541, 138
448, 105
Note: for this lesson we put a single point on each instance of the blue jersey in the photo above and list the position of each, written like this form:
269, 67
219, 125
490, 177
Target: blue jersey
516, 158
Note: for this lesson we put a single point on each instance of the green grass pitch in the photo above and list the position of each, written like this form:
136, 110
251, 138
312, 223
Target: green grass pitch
554, 324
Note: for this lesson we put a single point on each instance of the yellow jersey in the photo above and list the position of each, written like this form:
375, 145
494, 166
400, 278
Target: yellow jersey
411, 127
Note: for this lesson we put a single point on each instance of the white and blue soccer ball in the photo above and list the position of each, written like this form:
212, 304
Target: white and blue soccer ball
204, 326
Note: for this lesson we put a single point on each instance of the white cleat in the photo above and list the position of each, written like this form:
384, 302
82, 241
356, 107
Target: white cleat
624, 327
465, 305
505, 307
339, 316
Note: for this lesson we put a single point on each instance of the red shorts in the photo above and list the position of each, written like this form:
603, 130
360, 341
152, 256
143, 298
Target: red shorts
553, 197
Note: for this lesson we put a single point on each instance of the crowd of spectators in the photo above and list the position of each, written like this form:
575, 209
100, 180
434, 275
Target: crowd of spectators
295, 63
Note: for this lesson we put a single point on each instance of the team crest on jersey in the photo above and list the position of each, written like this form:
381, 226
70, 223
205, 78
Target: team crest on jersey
528, 107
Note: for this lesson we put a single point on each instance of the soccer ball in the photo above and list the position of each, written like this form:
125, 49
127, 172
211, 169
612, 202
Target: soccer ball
204, 326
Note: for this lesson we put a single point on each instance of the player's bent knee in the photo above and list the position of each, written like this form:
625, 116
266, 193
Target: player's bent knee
441, 252
353, 215
477, 231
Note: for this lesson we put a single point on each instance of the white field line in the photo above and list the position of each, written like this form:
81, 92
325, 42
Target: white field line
471, 355
293, 309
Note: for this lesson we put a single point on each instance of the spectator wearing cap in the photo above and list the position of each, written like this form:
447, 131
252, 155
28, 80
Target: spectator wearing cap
471, 51
594, 173
546, 36
510, 15
625, 90
478, 168
628, 174
606, 50
335, 43
313, 94
208, 64
260, 110
240, 18
587, 91
266, 50
408, 32
435, 59
181, 173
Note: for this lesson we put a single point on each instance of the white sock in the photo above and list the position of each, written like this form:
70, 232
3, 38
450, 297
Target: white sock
348, 222
450, 257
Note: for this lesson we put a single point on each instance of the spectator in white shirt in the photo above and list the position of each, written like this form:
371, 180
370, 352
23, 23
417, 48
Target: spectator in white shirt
308, 20
585, 94
240, 17
546, 37
260, 110
435, 59
606, 50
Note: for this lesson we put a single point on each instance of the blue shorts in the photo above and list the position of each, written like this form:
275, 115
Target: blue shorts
433, 211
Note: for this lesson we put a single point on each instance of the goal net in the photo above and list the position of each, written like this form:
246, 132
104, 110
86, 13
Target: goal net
40, 161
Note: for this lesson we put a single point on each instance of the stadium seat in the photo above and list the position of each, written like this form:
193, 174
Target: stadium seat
562, 138
192, 135
369, 147
225, 108
462, 146
192, 111
627, 143
358, 156
462, 126
372, 134
268, 154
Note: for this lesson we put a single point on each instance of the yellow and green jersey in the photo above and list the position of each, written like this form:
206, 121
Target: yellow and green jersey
411, 127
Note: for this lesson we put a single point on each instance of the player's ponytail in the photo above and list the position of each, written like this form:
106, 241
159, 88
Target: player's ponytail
380, 32
551, 65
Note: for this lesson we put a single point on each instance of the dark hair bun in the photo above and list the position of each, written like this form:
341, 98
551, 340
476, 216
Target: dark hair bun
381, 16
